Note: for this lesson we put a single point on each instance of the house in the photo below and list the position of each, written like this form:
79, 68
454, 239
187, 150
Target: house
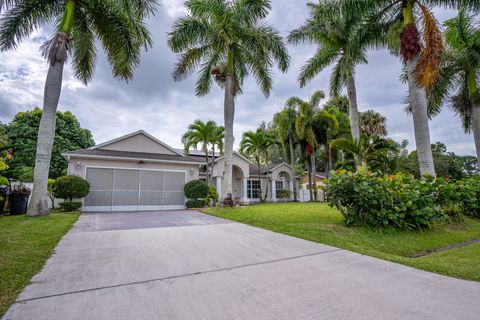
138, 172
319, 178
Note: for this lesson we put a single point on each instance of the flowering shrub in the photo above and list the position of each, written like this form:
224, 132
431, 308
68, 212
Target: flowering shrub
399, 200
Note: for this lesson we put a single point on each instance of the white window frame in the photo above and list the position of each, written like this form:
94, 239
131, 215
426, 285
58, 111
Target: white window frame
250, 190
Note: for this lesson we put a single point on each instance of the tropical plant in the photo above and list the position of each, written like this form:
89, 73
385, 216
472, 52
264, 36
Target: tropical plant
458, 83
207, 135
334, 37
51, 195
23, 132
256, 144
373, 124
285, 129
118, 25
71, 187
227, 41
365, 148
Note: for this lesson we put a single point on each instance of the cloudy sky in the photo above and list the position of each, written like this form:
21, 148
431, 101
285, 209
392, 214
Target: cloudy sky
155, 103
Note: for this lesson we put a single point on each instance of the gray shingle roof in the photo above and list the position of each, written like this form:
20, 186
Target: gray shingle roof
132, 155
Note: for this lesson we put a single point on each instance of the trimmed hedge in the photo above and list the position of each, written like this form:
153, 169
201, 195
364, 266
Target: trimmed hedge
70, 206
196, 189
192, 204
70, 187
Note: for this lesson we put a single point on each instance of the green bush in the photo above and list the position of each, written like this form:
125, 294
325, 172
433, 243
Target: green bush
195, 204
4, 181
212, 197
196, 189
70, 187
463, 195
285, 194
70, 206
399, 200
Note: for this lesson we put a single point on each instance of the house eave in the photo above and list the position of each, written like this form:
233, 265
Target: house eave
84, 156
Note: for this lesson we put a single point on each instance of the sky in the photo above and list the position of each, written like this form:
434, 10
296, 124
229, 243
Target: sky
152, 101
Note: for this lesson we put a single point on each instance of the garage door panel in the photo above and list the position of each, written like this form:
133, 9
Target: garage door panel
100, 179
125, 198
98, 198
151, 180
173, 198
174, 181
126, 180
150, 198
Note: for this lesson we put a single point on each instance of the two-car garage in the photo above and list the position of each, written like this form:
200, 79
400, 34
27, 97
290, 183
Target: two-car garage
114, 189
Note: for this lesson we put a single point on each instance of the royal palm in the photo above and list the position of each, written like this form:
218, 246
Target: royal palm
117, 25
227, 41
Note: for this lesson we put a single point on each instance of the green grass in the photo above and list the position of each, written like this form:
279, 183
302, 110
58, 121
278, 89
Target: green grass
320, 223
25, 245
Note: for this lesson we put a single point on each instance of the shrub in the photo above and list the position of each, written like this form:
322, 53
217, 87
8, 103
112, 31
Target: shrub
285, 194
195, 204
51, 183
196, 189
70, 205
4, 181
70, 187
212, 197
463, 194
399, 200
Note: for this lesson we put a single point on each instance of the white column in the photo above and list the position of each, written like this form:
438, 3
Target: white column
274, 191
219, 186
291, 190
244, 190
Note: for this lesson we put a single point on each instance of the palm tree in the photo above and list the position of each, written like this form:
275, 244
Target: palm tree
421, 52
227, 41
118, 25
256, 144
365, 148
333, 36
285, 128
304, 127
217, 142
373, 124
205, 134
458, 84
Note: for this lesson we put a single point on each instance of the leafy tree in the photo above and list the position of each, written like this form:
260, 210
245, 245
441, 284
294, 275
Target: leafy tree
227, 41
23, 132
458, 84
373, 124
333, 34
120, 29
5, 154
339, 102
255, 144
207, 135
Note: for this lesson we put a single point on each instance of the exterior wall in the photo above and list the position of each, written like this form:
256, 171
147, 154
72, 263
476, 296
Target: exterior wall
138, 143
192, 170
219, 166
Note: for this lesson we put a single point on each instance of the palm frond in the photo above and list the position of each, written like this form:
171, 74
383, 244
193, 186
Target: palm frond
83, 47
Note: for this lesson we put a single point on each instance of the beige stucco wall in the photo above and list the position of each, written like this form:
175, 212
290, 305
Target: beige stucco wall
138, 143
238, 161
85, 162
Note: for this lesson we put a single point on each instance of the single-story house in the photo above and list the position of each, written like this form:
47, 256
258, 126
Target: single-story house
319, 178
138, 172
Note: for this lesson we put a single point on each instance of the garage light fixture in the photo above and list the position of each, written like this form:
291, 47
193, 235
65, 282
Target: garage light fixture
77, 165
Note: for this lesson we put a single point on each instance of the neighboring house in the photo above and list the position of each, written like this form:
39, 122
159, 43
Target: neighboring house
139, 172
319, 179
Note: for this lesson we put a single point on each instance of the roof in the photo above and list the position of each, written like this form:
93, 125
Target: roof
198, 153
134, 134
263, 169
131, 155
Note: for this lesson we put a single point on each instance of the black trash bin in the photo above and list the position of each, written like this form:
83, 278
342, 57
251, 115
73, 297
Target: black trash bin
19, 200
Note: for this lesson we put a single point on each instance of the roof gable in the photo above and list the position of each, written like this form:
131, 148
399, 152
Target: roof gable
139, 141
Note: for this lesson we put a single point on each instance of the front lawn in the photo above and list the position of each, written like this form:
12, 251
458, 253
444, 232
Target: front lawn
25, 245
320, 223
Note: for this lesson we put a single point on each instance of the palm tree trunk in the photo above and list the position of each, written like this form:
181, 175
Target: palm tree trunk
309, 167
418, 102
229, 113
314, 173
353, 112
46, 133
208, 175
476, 128
212, 162
292, 165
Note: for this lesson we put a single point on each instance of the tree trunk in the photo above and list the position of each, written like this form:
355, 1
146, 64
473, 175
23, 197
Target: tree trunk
212, 162
353, 112
208, 165
229, 113
314, 174
330, 161
46, 133
476, 128
309, 169
292, 165
260, 181
418, 102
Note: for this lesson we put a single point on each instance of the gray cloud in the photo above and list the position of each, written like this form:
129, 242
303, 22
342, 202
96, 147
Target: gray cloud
157, 104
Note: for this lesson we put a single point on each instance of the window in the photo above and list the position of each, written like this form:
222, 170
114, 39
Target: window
253, 189
278, 188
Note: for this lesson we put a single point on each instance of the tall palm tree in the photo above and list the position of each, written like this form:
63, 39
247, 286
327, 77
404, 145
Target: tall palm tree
304, 127
118, 25
285, 128
227, 41
373, 123
333, 36
458, 84
421, 52
205, 134
217, 141
256, 145
366, 147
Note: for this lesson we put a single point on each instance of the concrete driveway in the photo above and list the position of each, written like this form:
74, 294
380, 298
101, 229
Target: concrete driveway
186, 265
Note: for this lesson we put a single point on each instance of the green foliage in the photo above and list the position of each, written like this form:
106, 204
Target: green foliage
212, 197
71, 187
460, 197
284, 194
193, 204
399, 200
51, 195
23, 132
4, 181
68, 206
196, 189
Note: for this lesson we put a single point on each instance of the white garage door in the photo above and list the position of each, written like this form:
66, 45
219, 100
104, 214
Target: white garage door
134, 190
